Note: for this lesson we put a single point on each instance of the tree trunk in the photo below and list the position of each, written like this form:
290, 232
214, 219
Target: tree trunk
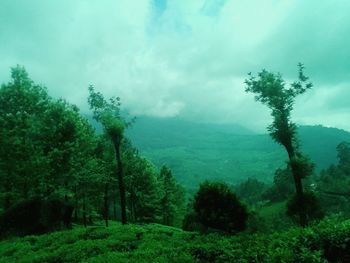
121, 182
84, 210
65, 191
114, 207
298, 183
106, 212
76, 204
8, 190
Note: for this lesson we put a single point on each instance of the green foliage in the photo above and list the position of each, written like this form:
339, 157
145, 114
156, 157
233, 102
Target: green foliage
142, 187
49, 150
197, 152
308, 203
327, 241
172, 198
45, 143
250, 191
270, 89
343, 150
108, 114
217, 207
282, 187
334, 183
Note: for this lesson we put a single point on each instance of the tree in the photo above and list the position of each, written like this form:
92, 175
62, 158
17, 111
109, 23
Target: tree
343, 150
217, 207
270, 89
334, 182
108, 114
46, 146
22, 103
143, 190
282, 187
172, 199
309, 204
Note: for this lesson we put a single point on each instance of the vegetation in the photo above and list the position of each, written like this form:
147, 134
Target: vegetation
325, 242
50, 152
271, 90
216, 207
108, 114
196, 152
58, 172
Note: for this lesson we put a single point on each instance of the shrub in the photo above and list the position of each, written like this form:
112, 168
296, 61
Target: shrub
307, 204
191, 223
217, 207
35, 216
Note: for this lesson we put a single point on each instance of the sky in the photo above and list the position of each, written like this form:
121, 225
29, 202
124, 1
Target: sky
181, 58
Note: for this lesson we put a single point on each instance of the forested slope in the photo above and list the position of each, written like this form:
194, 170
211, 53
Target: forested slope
196, 152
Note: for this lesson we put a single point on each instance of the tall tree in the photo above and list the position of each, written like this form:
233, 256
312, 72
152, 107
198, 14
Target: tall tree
271, 90
108, 114
343, 150
44, 143
168, 197
21, 158
142, 186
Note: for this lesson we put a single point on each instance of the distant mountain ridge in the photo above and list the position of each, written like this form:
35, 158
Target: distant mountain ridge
229, 152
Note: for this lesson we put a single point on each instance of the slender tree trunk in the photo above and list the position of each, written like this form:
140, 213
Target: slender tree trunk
298, 184
84, 210
8, 190
132, 207
25, 187
106, 212
121, 182
65, 194
114, 207
76, 203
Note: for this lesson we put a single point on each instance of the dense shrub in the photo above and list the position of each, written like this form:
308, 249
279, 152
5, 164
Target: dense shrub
217, 207
307, 204
35, 216
191, 223
327, 241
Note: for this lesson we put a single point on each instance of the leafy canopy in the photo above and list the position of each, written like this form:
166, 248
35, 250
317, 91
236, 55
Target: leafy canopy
270, 89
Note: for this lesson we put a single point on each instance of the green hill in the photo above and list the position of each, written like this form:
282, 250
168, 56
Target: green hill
197, 151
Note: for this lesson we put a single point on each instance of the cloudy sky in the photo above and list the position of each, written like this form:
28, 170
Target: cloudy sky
183, 58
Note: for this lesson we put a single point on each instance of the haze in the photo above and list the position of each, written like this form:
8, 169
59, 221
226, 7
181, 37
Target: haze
185, 59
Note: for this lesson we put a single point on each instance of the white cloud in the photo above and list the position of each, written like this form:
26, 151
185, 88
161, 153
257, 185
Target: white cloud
189, 59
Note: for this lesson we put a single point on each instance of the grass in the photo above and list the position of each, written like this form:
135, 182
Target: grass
157, 243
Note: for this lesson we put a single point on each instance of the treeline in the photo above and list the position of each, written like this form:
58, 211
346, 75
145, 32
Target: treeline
49, 150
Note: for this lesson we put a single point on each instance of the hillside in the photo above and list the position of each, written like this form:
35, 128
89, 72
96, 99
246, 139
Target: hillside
196, 151
156, 243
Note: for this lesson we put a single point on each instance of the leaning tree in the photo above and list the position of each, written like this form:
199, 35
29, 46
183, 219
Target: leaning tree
271, 90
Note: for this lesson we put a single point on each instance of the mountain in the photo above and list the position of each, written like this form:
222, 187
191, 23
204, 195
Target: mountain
229, 152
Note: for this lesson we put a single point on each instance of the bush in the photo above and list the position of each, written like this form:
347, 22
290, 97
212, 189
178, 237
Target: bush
35, 216
191, 223
217, 207
307, 204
